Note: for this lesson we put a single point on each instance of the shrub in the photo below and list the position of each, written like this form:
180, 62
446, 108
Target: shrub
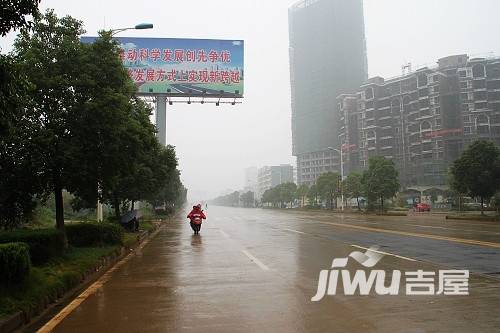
94, 234
14, 263
44, 244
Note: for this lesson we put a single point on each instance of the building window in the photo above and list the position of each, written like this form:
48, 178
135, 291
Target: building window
482, 120
369, 93
425, 126
494, 95
424, 103
495, 118
485, 129
423, 92
480, 95
467, 130
462, 73
438, 122
422, 80
467, 118
480, 106
478, 70
479, 84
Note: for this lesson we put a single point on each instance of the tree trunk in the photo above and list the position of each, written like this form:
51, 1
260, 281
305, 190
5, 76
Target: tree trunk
482, 206
381, 204
132, 205
59, 205
357, 200
116, 205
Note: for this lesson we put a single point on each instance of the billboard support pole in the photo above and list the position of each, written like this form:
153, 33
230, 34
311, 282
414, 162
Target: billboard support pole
161, 118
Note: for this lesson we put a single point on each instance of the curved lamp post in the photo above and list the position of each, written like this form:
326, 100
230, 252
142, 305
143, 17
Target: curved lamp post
140, 26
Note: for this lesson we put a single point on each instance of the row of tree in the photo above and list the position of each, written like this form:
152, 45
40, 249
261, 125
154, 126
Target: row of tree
235, 199
377, 183
475, 174
70, 120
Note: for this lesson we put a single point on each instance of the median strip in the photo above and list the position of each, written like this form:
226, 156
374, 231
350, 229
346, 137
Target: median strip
413, 234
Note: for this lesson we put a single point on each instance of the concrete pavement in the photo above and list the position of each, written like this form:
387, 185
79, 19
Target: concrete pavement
253, 270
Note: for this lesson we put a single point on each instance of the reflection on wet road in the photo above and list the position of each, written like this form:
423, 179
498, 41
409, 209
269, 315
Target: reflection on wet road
253, 270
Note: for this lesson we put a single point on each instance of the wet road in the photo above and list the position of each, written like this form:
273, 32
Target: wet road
253, 270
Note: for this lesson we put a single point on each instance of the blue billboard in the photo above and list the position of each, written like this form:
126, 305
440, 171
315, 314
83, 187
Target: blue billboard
183, 66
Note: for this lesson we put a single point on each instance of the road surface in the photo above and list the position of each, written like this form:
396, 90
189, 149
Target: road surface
255, 270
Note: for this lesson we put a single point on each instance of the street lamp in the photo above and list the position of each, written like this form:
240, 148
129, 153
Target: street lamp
140, 26
341, 175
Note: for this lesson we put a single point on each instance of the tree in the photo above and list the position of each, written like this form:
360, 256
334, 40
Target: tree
302, 191
232, 199
353, 187
271, 196
51, 56
13, 14
327, 185
18, 181
247, 199
172, 193
287, 193
495, 201
380, 180
18, 174
477, 171
112, 138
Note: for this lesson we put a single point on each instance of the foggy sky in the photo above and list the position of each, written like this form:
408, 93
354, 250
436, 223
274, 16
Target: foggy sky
214, 144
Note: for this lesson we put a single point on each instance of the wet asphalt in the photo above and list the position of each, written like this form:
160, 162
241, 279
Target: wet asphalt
256, 270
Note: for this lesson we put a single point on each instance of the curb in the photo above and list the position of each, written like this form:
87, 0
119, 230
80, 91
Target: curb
35, 316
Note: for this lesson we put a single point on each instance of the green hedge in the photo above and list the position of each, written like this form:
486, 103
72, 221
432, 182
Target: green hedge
44, 244
15, 263
94, 234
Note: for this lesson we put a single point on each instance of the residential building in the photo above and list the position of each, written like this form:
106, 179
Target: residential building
422, 120
271, 176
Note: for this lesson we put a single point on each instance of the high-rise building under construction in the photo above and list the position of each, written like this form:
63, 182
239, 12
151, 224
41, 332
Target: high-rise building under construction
327, 59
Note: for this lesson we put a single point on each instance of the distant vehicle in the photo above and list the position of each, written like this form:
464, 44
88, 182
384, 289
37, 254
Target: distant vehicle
422, 207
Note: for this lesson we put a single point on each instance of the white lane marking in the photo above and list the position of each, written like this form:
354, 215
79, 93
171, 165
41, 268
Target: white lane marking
224, 233
359, 247
382, 252
255, 260
296, 231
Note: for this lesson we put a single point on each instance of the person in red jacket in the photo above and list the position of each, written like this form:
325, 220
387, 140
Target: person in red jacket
196, 216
